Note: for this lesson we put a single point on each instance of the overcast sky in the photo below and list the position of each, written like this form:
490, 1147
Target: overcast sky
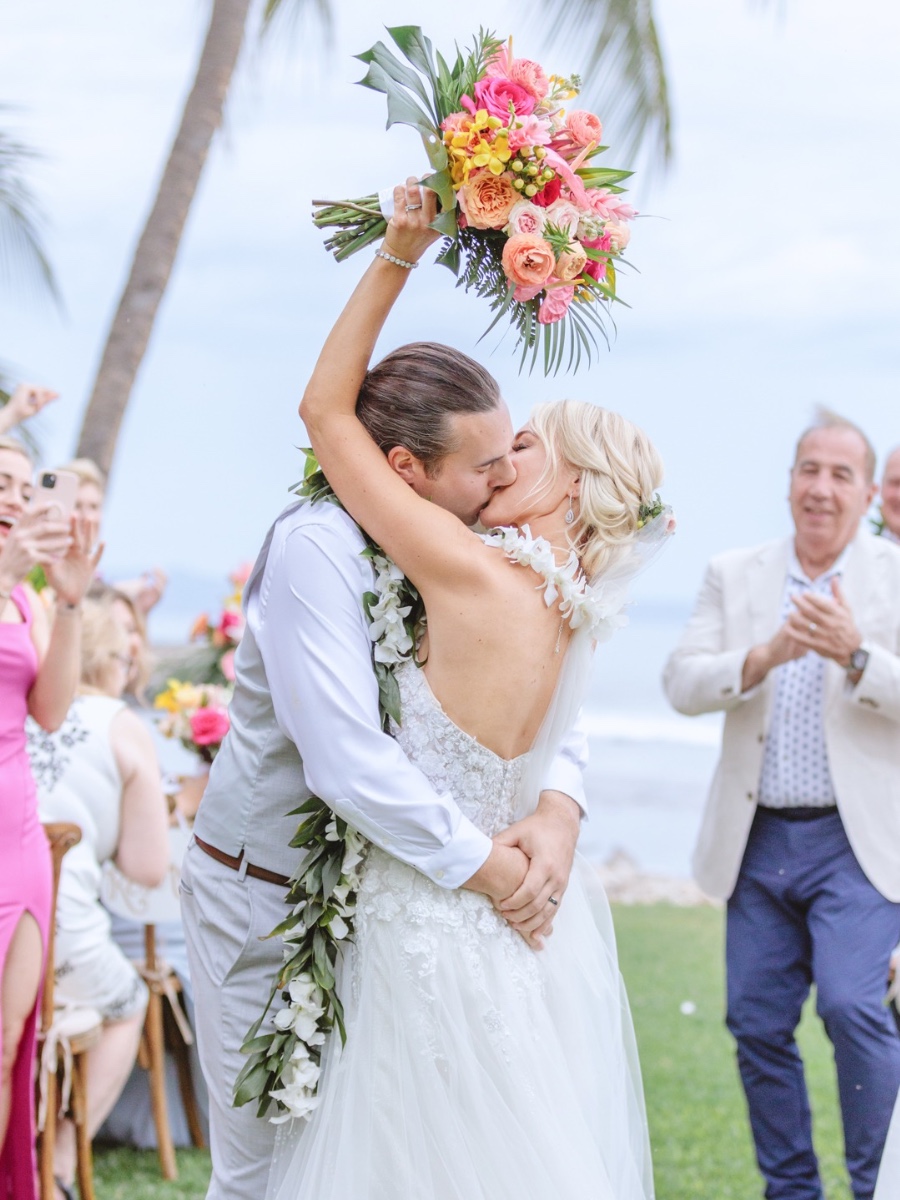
769, 255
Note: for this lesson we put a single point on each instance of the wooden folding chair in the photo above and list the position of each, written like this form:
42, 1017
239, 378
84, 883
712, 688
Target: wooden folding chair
166, 1026
65, 1036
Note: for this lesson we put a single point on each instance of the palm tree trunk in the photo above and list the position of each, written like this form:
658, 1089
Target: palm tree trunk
156, 251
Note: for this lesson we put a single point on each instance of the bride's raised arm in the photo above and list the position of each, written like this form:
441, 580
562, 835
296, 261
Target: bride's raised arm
429, 544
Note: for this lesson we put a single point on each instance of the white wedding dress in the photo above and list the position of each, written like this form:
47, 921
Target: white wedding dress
475, 1068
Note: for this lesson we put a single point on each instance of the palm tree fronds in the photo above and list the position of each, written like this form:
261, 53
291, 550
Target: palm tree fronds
624, 69
21, 246
292, 12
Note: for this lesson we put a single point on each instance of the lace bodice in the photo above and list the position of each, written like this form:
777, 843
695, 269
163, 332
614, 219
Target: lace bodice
483, 784
419, 912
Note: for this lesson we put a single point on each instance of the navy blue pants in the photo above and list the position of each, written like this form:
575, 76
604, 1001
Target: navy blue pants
803, 912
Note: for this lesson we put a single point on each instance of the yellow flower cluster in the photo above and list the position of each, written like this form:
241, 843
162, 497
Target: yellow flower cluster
479, 141
179, 697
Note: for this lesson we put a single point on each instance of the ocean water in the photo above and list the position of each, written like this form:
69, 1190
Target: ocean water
650, 767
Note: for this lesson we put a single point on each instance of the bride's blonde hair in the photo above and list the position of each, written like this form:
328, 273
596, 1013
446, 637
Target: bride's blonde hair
619, 470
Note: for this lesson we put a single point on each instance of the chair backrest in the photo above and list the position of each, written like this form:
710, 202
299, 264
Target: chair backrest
61, 837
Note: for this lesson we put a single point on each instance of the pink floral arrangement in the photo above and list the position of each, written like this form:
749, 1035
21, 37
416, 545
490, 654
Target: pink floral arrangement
223, 636
532, 223
195, 714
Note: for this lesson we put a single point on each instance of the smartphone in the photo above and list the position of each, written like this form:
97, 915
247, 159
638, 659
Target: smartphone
55, 493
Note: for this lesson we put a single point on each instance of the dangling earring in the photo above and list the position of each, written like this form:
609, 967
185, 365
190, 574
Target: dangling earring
570, 515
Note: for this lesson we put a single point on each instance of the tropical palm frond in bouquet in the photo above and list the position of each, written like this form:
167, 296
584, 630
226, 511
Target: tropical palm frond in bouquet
532, 224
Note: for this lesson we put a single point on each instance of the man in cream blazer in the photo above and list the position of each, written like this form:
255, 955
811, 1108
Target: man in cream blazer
798, 642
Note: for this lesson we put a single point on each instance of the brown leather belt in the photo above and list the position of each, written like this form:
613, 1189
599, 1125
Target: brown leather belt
237, 864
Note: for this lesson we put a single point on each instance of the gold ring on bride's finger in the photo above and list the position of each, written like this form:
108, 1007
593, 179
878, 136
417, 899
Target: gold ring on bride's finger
553, 901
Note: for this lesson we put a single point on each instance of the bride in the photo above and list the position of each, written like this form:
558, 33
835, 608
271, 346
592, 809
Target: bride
475, 1067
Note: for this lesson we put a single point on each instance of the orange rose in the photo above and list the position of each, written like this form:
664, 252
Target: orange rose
528, 260
487, 199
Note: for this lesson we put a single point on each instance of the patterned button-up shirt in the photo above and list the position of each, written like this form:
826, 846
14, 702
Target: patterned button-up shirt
795, 767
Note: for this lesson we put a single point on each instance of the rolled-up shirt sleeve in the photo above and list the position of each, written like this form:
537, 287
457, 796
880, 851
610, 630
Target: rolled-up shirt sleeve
566, 772
313, 636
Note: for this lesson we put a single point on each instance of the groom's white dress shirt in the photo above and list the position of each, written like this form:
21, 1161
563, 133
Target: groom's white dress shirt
305, 683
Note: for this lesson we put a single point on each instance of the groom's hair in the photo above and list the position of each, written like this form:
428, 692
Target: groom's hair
405, 399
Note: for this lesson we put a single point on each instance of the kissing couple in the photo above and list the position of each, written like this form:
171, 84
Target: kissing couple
489, 1051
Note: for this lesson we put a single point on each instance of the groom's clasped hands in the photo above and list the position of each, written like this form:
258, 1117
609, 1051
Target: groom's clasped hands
527, 872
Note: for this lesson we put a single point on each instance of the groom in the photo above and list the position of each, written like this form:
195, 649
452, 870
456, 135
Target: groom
305, 718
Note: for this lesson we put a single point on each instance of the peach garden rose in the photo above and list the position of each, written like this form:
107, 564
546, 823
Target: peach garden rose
528, 260
571, 262
487, 200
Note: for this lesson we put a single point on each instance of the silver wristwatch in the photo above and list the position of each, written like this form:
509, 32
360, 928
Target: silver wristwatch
858, 660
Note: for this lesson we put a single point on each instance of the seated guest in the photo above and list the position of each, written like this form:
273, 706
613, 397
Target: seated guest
100, 772
131, 1120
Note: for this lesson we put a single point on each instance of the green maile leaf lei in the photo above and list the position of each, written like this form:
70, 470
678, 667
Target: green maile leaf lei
284, 1053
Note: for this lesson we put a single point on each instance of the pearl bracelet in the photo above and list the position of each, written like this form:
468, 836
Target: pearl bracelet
400, 262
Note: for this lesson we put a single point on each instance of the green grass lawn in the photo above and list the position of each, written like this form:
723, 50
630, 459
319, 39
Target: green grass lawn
701, 1140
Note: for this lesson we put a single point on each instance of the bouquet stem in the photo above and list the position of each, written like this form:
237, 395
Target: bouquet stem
357, 223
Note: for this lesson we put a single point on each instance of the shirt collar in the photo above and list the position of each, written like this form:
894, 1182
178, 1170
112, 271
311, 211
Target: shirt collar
837, 568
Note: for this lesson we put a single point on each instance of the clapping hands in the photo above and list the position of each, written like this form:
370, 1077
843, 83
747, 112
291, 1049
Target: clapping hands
825, 625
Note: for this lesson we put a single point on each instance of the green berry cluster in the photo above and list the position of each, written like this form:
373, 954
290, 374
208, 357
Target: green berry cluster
529, 177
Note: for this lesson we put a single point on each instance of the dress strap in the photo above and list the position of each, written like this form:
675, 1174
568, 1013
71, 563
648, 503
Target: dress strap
20, 600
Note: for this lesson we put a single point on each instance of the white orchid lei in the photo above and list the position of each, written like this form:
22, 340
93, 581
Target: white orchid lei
284, 1061
564, 584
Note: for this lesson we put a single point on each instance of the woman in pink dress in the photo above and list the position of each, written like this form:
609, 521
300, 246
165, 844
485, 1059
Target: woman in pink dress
39, 670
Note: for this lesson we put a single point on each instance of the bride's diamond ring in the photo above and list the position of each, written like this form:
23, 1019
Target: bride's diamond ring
410, 207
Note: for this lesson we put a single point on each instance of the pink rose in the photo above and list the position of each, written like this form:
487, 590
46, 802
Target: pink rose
549, 193
555, 304
487, 200
209, 725
226, 665
525, 217
564, 215
571, 262
584, 127
529, 75
528, 261
229, 629
497, 94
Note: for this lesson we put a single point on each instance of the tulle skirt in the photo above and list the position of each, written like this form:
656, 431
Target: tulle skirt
475, 1068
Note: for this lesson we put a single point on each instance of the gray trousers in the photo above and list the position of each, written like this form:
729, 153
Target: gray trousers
232, 971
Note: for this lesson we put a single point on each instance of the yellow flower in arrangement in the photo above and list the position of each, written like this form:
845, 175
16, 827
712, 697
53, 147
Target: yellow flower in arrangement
179, 696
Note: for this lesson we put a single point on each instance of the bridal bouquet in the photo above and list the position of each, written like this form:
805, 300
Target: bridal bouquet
532, 225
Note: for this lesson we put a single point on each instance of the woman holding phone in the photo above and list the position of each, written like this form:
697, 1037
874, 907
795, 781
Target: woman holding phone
39, 671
